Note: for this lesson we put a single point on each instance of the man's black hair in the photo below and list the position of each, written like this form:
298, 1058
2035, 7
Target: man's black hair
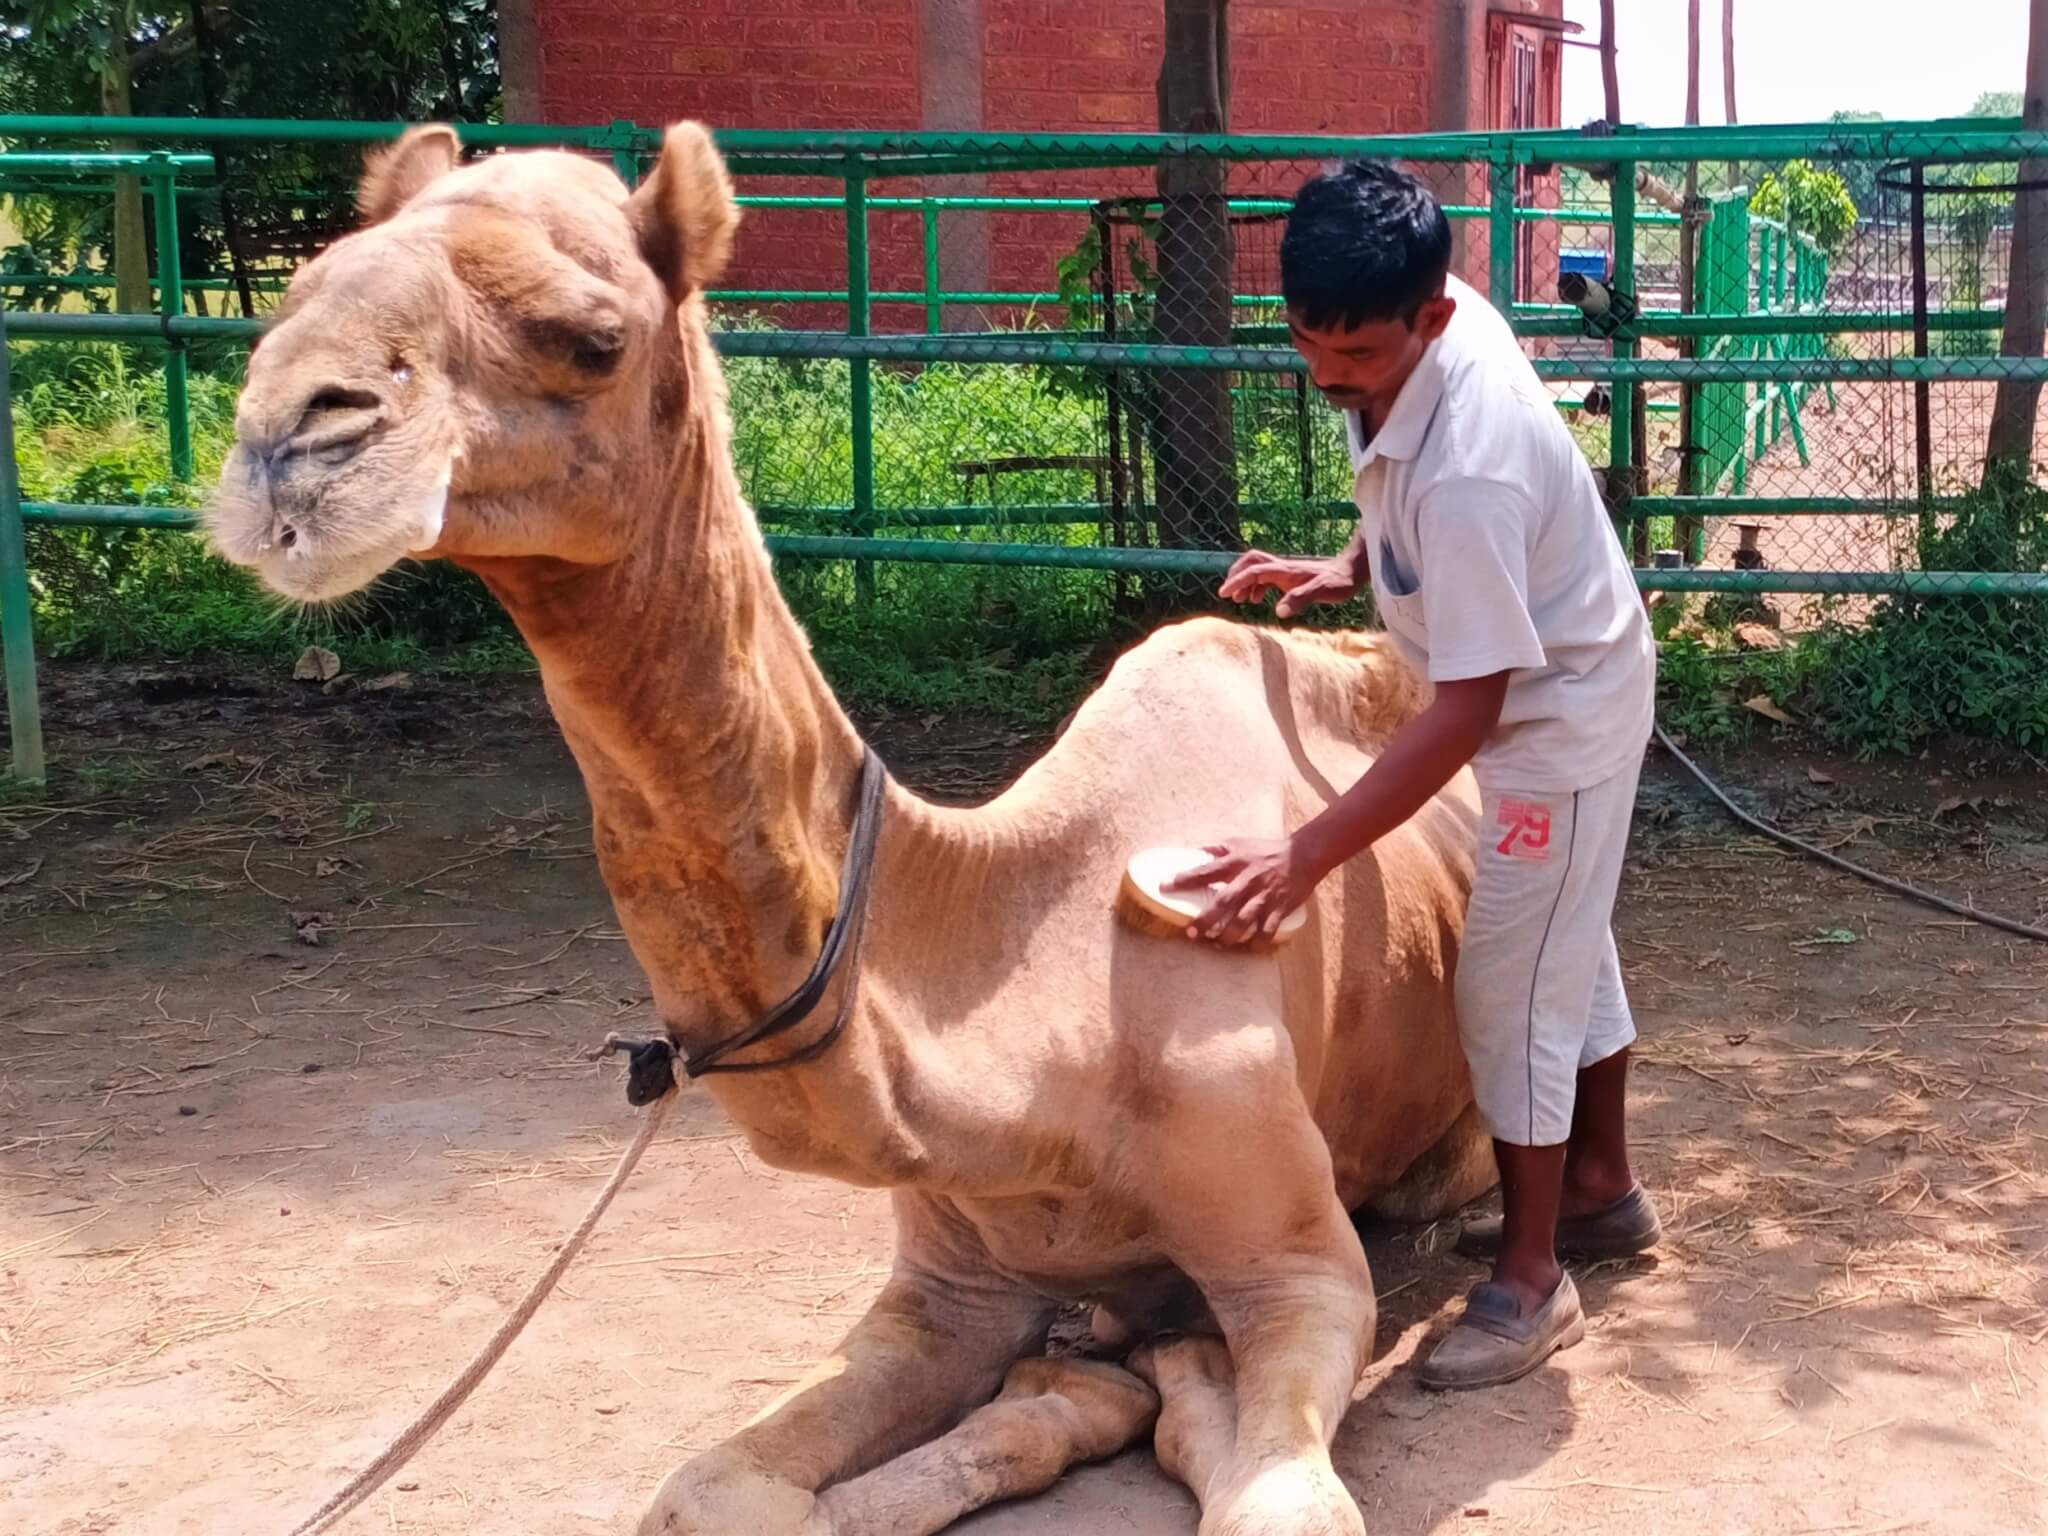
1364, 243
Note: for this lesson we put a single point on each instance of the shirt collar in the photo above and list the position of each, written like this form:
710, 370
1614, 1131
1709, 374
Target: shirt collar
1408, 422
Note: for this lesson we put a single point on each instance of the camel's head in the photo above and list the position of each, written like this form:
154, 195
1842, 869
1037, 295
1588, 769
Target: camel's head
481, 371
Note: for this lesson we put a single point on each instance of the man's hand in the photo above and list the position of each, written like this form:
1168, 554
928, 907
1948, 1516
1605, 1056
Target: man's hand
1263, 881
1301, 583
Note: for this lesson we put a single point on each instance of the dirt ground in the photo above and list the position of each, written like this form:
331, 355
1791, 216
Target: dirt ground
295, 992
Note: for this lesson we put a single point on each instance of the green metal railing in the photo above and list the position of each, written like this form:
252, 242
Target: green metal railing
1770, 336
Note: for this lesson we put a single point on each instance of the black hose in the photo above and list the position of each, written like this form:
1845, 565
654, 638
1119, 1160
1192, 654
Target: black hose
1883, 882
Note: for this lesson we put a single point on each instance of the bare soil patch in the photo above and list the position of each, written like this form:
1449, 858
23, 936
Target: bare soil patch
294, 996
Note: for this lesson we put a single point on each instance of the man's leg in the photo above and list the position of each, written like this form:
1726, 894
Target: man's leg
1527, 970
1531, 1185
1596, 1165
1603, 1213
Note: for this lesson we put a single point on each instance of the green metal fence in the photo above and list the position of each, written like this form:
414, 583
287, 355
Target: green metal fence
997, 369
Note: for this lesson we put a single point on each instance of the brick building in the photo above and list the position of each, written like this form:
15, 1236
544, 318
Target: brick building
1039, 66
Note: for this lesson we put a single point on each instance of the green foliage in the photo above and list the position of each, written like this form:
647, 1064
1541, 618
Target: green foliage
57, 237
1810, 201
387, 60
1902, 672
62, 48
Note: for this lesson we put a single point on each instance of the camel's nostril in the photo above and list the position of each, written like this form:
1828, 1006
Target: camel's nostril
337, 421
287, 535
338, 399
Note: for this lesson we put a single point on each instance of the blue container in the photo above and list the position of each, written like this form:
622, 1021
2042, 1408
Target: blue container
1588, 264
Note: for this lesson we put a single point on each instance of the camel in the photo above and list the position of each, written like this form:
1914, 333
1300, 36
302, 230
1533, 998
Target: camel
509, 366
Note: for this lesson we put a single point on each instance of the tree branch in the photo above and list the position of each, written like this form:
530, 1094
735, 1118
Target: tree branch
173, 43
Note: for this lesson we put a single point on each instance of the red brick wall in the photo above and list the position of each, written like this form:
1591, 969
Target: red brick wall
732, 63
1298, 66
1048, 66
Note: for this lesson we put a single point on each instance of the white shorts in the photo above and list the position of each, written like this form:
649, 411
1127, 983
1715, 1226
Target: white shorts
1539, 993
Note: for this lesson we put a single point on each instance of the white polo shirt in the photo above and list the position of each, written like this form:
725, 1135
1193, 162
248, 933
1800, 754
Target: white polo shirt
1491, 551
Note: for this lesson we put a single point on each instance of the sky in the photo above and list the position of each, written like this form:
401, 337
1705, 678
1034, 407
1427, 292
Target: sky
1799, 60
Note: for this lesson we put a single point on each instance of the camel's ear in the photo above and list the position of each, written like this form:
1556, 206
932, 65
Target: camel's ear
684, 214
394, 177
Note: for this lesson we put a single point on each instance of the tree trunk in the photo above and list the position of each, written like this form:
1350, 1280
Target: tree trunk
1692, 64
1728, 81
209, 86
131, 228
1728, 60
2010, 447
1686, 533
1194, 450
1610, 66
519, 61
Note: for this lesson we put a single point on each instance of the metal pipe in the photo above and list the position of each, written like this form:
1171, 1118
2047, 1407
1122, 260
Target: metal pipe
292, 130
934, 311
1008, 348
859, 320
1203, 562
1500, 234
1568, 320
32, 162
1851, 583
1036, 514
1803, 370
17, 620
136, 328
1941, 140
96, 280
60, 514
1528, 319
1276, 205
1075, 513
1057, 557
171, 304
1776, 506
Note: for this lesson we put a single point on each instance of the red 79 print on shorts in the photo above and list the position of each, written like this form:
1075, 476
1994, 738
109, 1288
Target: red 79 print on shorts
1525, 826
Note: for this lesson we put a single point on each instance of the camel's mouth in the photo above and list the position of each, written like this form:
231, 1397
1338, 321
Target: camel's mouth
317, 543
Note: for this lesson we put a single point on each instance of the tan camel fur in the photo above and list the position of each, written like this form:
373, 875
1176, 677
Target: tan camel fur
509, 367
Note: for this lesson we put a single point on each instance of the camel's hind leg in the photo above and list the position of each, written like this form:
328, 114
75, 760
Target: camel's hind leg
1050, 1415
1457, 1169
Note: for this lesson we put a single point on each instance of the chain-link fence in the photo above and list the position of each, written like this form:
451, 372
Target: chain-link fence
1783, 351
1014, 398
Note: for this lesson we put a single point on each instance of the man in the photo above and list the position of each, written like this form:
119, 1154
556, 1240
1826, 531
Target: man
1494, 568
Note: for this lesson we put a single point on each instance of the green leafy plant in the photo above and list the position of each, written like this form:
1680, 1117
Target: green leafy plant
1809, 200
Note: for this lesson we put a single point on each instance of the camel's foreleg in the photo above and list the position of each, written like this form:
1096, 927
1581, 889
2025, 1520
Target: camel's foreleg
930, 1350
1300, 1333
1287, 1278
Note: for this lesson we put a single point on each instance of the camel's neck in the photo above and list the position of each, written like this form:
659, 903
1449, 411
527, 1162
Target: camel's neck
722, 773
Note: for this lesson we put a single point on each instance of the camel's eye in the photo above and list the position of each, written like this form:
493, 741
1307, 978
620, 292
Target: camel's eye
590, 344
598, 352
